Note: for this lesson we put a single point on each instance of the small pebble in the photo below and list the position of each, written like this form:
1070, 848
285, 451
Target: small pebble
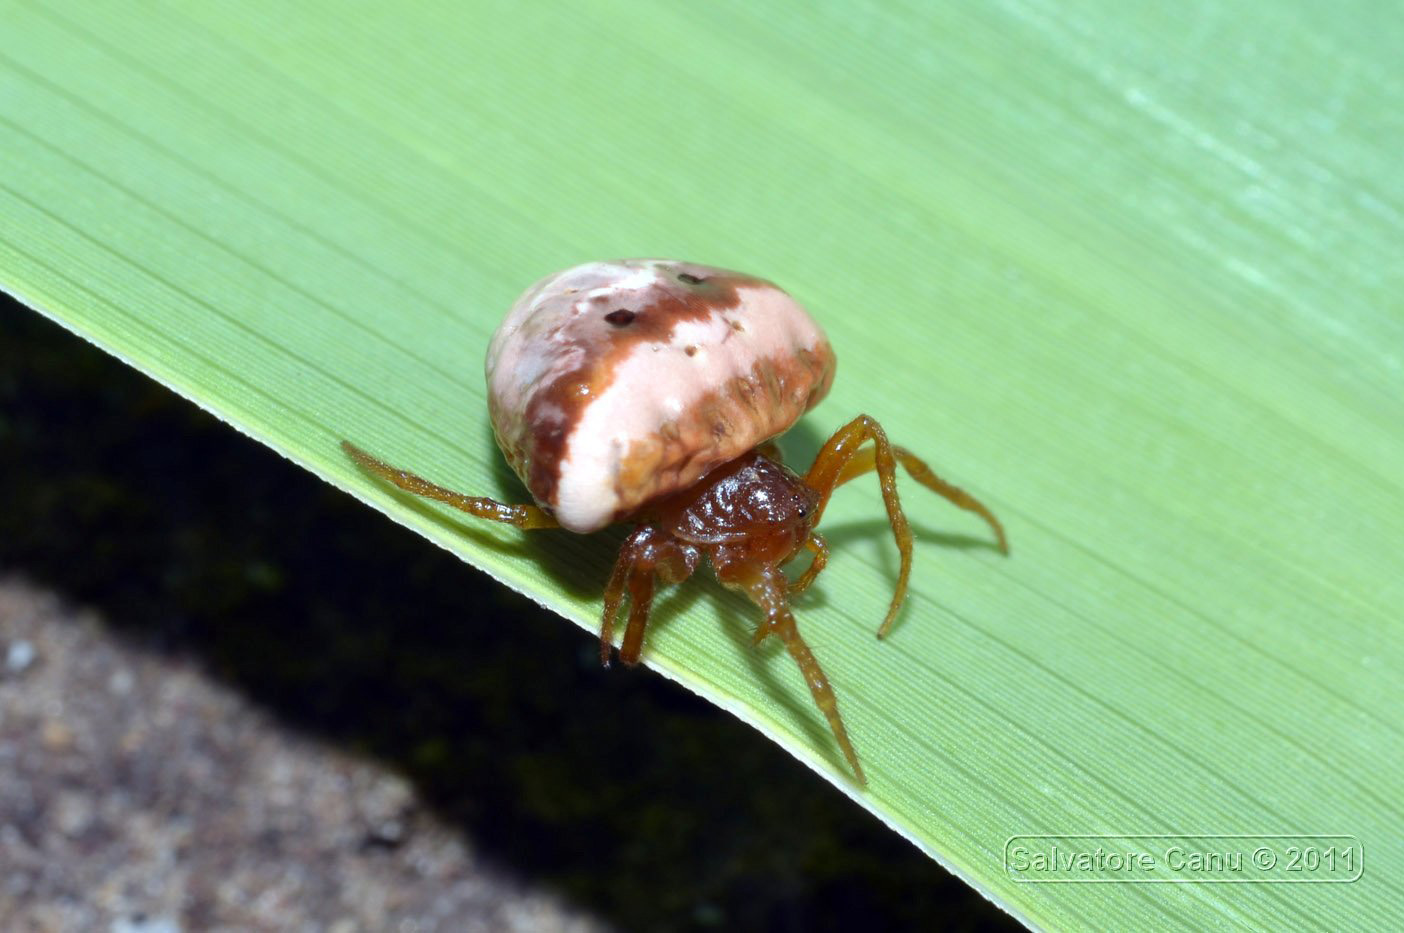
121, 682
20, 655
140, 923
56, 736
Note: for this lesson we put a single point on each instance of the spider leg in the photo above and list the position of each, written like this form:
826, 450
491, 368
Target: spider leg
614, 596
526, 517
648, 555
767, 590
843, 458
824, 477
820, 548
864, 461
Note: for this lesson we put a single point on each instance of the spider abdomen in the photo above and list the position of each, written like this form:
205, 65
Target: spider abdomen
615, 384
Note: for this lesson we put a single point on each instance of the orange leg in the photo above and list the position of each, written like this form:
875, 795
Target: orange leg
526, 517
767, 590
843, 458
824, 476
864, 461
817, 545
647, 554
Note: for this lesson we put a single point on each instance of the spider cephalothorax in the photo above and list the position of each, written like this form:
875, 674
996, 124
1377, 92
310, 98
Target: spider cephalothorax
647, 391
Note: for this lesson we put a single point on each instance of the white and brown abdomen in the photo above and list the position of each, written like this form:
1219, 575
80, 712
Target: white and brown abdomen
612, 384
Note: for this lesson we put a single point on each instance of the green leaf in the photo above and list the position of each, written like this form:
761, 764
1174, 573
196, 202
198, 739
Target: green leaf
1130, 273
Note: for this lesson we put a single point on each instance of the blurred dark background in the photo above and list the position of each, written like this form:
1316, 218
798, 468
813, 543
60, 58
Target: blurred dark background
628, 796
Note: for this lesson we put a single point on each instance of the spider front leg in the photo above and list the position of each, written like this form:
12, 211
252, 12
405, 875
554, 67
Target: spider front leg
843, 458
820, 548
767, 590
526, 517
864, 461
647, 554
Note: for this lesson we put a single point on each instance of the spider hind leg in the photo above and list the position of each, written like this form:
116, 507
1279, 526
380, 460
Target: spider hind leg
526, 517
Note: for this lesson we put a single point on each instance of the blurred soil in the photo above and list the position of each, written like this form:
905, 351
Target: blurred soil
140, 795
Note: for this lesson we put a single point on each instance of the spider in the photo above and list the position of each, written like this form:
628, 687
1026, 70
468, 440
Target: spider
650, 391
